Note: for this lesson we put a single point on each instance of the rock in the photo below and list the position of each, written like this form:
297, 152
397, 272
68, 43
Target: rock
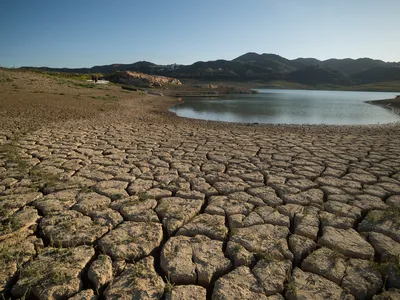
84, 295
15, 251
177, 260
392, 294
191, 260
361, 177
343, 210
394, 201
101, 272
212, 226
347, 241
290, 210
200, 184
272, 275
307, 224
18, 221
107, 217
239, 255
305, 198
264, 239
367, 202
386, 222
187, 292
142, 79
326, 263
140, 186
300, 246
190, 195
59, 201
304, 285
89, 202
132, 240
138, 281
337, 182
302, 184
95, 175
17, 201
385, 247
328, 219
175, 212
221, 205
113, 189
362, 280
267, 194
272, 216
157, 193
238, 284
54, 274
70, 228
228, 187
139, 210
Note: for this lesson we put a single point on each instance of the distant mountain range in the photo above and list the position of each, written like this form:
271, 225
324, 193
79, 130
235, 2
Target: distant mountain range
265, 68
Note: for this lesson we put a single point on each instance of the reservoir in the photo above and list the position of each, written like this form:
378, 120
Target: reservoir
274, 106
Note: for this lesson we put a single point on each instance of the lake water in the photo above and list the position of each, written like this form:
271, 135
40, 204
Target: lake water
273, 106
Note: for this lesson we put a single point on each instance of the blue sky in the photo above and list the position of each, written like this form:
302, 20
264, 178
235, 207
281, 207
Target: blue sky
85, 33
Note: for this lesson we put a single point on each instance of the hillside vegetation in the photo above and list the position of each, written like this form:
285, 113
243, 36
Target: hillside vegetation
266, 68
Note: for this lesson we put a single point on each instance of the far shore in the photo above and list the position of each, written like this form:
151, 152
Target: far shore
392, 104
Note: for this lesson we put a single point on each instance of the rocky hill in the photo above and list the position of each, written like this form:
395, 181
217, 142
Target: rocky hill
142, 79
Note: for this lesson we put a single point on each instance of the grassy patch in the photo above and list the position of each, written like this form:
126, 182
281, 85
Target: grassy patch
169, 286
392, 214
106, 97
42, 179
40, 274
10, 225
291, 287
143, 196
138, 271
236, 248
13, 157
19, 167
5, 78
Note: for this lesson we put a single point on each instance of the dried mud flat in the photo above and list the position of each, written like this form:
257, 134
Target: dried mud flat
104, 194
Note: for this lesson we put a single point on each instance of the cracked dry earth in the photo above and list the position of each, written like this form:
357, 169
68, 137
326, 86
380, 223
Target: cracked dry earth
185, 210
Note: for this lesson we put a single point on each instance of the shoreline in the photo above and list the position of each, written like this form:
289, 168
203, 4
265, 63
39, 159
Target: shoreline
392, 104
294, 127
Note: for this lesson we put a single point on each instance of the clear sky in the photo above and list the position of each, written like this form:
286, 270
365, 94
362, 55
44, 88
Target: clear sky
84, 33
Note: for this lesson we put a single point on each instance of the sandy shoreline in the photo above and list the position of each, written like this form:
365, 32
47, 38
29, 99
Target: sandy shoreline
106, 189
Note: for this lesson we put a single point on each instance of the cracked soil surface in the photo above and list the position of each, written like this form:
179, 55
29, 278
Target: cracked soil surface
104, 194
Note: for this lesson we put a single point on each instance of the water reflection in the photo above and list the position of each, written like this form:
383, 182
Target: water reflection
290, 107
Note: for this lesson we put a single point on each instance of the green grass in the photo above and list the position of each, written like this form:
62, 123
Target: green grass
12, 224
138, 271
74, 76
143, 196
236, 248
291, 287
169, 286
106, 97
42, 179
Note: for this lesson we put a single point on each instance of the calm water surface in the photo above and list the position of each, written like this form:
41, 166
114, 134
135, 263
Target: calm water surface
290, 107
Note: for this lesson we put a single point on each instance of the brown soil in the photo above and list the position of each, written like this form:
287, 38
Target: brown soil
29, 101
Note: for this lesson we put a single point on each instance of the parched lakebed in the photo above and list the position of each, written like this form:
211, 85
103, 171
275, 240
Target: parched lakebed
137, 204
